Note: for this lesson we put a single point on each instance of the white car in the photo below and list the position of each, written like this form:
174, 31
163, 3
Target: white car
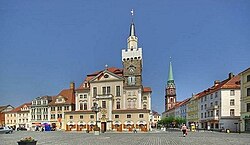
5, 130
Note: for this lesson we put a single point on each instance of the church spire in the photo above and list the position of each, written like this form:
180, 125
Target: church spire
132, 29
132, 39
170, 72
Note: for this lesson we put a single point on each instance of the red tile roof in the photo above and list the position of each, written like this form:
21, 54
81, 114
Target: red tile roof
229, 83
67, 94
147, 89
18, 109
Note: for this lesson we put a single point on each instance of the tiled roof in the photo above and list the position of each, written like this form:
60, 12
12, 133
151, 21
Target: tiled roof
67, 94
229, 83
147, 89
3, 107
17, 109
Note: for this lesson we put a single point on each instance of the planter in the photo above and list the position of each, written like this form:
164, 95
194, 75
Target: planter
26, 143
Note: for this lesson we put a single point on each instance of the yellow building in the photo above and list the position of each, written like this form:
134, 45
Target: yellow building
192, 112
245, 100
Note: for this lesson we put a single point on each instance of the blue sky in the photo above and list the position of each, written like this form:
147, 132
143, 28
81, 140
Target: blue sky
44, 45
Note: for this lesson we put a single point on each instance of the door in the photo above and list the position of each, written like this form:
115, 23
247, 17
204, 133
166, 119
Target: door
103, 126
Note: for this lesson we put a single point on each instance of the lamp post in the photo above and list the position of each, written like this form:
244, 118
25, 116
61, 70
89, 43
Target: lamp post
96, 109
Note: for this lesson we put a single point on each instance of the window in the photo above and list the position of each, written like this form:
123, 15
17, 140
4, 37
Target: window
85, 96
231, 102
205, 98
211, 104
171, 100
205, 106
103, 90
81, 106
232, 92
201, 115
248, 78
118, 91
202, 99
248, 91
211, 96
248, 107
131, 80
59, 115
91, 116
59, 108
53, 108
81, 96
201, 107
128, 115
144, 106
66, 107
108, 90
116, 116
231, 112
39, 102
70, 117
118, 105
208, 114
144, 98
216, 95
212, 113
216, 103
85, 106
217, 112
81, 116
103, 104
129, 103
140, 115
205, 115
53, 116
94, 92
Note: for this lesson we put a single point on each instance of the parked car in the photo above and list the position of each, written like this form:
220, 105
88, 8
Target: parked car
5, 130
21, 129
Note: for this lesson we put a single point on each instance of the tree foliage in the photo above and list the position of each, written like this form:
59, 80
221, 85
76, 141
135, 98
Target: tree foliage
172, 121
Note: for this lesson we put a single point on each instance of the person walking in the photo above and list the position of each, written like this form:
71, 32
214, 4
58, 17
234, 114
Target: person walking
184, 130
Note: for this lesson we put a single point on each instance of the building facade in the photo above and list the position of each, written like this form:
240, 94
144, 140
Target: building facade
39, 111
192, 111
4, 109
220, 104
124, 102
19, 117
59, 105
245, 101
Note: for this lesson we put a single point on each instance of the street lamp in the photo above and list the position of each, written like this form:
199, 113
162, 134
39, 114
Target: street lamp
96, 109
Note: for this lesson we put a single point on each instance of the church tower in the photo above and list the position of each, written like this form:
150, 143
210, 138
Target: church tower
170, 97
132, 60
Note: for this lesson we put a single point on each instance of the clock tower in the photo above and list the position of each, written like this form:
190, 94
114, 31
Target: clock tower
170, 91
132, 61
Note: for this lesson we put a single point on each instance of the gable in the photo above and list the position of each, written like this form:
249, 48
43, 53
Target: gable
106, 76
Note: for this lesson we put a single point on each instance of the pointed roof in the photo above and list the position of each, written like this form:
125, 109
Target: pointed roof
132, 29
170, 72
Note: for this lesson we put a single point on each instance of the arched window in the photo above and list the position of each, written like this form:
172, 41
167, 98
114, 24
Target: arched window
118, 105
81, 106
144, 106
85, 106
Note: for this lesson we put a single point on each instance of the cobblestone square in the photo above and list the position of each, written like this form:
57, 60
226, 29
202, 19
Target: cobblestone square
151, 138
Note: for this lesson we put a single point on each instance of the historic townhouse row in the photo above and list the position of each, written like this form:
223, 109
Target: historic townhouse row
123, 102
217, 107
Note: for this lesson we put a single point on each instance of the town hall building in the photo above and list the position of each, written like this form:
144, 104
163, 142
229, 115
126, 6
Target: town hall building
122, 102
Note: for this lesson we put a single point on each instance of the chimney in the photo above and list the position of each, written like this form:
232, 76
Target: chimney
72, 86
216, 83
230, 75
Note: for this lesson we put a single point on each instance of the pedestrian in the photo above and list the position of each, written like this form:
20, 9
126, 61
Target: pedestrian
184, 130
